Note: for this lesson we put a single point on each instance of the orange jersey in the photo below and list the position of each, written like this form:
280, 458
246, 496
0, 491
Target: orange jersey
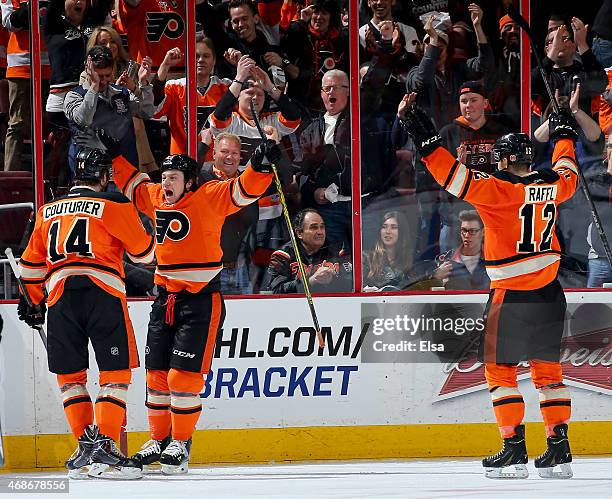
154, 27
188, 232
519, 214
84, 233
18, 47
174, 104
605, 109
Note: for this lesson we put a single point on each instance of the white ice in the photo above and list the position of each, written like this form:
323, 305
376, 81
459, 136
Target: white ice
380, 479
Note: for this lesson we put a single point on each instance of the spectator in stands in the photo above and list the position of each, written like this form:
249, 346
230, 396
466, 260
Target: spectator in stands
506, 80
401, 57
472, 135
173, 102
327, 269
108, 37
561, 66
235, 279
602, 39
248, 35
16, 19
126, 74
436, 83
464, 267
315, 44
325, 145
67, 26
98, 104
252, 85
385, 267
599, 180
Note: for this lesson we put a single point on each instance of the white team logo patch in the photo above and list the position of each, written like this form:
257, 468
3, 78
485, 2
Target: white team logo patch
114, 351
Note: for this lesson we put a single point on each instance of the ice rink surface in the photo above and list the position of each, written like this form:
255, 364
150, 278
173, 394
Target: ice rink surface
406, 479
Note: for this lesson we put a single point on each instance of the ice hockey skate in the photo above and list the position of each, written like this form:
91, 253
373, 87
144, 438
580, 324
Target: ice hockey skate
174, 459
558, 454
511, 460
107, 461
78, 463
149, 454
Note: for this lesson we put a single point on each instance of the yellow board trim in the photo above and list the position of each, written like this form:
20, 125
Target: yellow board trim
264, 445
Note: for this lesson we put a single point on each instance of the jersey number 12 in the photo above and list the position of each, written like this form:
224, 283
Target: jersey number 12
528, 243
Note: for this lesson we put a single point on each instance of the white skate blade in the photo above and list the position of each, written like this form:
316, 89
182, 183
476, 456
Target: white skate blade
169, 469
564, 471
516, 471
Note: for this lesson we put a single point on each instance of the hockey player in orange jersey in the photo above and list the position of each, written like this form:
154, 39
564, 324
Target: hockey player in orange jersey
76, 253
526, 307
189, 309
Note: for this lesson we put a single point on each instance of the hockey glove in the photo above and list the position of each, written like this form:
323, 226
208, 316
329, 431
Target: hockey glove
418, 125
562, 125
110, 144
266, 154
34, 315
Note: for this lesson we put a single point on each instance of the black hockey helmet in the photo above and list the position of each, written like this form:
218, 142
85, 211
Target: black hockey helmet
90, 163
182, 163
517, 147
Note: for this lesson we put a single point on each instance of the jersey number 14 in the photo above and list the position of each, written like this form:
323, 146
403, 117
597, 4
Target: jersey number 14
76, 241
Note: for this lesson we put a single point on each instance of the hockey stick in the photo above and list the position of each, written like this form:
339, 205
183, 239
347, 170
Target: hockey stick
303, 277
524, 25
9, 254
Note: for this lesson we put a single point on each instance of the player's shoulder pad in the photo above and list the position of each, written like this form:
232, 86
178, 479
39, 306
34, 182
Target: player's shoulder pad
543, 176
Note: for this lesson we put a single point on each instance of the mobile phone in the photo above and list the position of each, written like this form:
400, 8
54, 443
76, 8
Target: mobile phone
132, 70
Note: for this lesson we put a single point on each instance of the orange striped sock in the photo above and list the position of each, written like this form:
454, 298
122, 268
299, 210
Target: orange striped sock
555, 401
158, 404
508, 403
77, 402
186, 405
111, 401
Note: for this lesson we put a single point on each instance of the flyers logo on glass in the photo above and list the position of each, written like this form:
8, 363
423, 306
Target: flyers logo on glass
168, 24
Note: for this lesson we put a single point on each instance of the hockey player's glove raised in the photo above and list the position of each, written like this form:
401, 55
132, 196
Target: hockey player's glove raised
266, 154
110, 144
420, 127
562, 125
33, 315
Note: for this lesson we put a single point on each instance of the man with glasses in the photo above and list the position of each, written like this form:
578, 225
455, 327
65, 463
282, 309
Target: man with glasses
465, 269
325, 145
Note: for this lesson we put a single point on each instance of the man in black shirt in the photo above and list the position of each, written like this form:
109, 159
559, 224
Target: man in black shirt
472, 136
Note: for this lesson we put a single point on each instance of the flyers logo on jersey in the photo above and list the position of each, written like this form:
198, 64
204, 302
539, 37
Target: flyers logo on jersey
171, 224
169, 24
